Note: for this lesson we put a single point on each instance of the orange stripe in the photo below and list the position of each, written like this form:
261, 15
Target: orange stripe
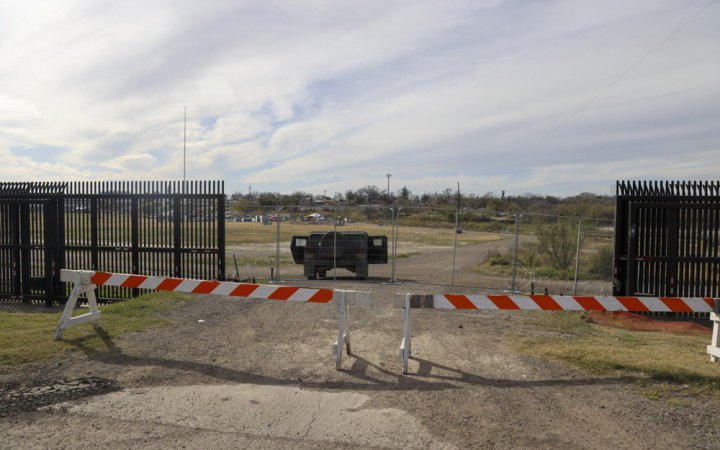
632, 304
133, 281
282, 293
675, 304
168, 284
503, 302
460, 301
243, 290
205, 287
100, 278
590, 304
710, 301
546, 302
321, 296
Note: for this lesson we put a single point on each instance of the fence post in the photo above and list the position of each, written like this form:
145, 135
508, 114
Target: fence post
455, 232
221, 234
577, 257
178, 219
397, 236
135, 238
515, 252
276, 277
394, 231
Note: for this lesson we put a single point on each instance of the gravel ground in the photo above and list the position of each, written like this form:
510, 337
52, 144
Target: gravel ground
257, 374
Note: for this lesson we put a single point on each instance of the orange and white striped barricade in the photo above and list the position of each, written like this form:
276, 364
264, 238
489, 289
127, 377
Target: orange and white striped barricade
85, 283
554, 303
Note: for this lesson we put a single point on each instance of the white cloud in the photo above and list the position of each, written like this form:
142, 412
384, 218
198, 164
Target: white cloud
322, 95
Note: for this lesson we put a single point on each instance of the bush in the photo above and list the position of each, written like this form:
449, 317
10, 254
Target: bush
558, 243
601, 263
495, 258
530, 254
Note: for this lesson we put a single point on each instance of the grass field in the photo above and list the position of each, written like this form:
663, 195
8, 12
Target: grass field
242, 233
662, 357
28, 337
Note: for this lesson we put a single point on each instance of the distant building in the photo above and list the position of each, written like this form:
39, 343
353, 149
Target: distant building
321, 200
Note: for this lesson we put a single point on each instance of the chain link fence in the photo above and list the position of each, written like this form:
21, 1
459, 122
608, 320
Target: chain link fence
502, 251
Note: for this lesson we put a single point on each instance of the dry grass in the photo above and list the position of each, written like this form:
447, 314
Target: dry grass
27, 337
242, 233
657, 356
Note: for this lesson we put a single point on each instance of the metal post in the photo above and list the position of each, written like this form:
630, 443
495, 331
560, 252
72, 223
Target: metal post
335, 248
341, 329
395, 241
394, 231
577, 257
515, 253
277, 246
221, 233
405, 347
452, 276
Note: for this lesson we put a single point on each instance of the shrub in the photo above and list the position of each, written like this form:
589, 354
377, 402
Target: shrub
495, 258
601, 263
558, 243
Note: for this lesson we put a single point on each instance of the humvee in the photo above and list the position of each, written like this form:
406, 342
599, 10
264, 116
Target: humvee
352, 250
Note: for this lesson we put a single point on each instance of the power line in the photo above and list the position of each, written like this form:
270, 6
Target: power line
628, 70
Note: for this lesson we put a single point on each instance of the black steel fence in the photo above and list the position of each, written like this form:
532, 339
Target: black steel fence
667, 239
165, 228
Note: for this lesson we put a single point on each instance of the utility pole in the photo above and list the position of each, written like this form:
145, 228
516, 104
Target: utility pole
388, 190
185, 145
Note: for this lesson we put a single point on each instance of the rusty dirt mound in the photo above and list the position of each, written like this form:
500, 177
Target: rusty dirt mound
639, 322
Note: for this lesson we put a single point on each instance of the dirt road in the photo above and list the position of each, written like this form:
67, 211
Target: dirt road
432, 264
261, 375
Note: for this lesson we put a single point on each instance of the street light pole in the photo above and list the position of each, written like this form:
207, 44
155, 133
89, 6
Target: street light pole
388, 189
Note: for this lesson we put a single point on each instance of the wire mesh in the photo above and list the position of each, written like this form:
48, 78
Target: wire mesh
503, 251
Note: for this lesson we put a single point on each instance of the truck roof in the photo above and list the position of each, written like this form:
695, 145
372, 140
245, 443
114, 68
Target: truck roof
340, 232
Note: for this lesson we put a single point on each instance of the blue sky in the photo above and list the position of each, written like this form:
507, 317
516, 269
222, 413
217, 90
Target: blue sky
331, 95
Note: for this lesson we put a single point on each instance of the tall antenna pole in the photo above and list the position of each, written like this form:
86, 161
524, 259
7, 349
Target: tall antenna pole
185, 145
388, 190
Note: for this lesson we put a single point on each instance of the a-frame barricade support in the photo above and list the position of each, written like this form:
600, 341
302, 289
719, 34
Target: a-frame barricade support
85, 283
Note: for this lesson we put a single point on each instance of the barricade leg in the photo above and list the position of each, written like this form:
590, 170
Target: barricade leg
714, 348
343, 329
405, 346
347, 327
81, 287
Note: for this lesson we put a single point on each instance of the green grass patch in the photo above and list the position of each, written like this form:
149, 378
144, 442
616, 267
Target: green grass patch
28, 337
258, 261
404, 255
605, 350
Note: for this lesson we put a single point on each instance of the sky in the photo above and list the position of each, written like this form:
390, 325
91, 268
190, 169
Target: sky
523, 96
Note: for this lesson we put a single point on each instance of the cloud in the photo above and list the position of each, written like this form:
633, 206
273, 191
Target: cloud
319, 95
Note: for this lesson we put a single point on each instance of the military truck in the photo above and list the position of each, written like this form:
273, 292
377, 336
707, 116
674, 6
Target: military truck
352, 250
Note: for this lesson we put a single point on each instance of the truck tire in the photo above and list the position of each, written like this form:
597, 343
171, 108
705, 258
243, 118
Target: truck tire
361, 270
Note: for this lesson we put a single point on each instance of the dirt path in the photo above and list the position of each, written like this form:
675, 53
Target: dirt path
261, 375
